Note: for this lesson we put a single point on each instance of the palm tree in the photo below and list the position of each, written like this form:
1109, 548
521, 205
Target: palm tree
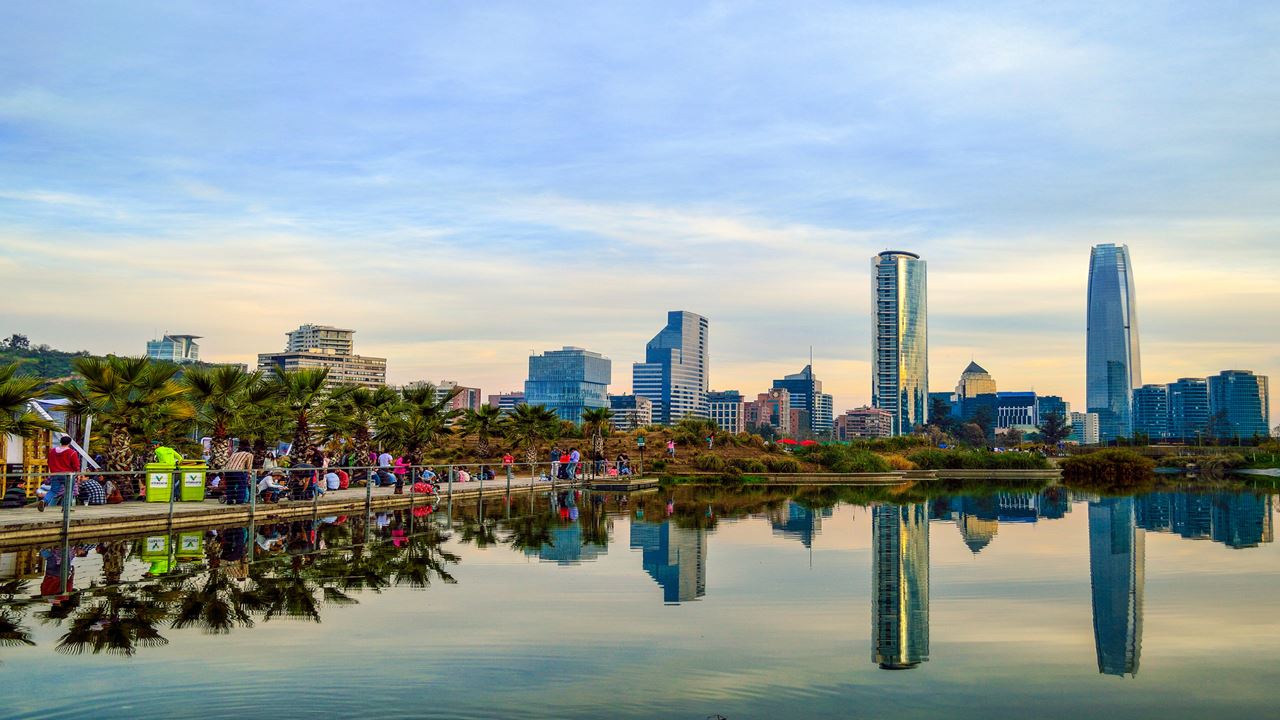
358, 412
218, 394
484, 422
129, 396
420, 418
304, 395
16, 394
597, 423
261, 418
529, 426
215, 605
118, 620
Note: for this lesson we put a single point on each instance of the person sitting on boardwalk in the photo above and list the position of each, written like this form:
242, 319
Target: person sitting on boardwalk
269, 489
91, 492
463, 475
15, 496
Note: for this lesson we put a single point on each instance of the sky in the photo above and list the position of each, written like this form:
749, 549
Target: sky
463, 183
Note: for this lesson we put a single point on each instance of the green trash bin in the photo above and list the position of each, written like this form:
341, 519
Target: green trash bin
190, 546
155, 550
192, 488
159, 482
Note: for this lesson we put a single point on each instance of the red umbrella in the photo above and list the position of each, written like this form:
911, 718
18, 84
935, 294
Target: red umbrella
788, 441
808, 443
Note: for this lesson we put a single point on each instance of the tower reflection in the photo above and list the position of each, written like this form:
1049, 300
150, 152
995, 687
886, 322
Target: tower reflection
1117, 566
900, 569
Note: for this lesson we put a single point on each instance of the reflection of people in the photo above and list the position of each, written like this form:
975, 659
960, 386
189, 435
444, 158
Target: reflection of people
63, 464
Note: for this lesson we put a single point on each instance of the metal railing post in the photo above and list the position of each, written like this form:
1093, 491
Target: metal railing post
67, 499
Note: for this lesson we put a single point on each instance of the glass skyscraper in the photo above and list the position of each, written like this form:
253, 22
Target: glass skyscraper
807, 396
1117, 570
568, 381
1244, 402
674, 372
1151, 412
1113, 367
1188, 409
900, 346
900, 571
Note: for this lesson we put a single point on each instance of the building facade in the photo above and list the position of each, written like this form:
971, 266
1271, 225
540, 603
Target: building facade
1084, 428
863, 422
1113, 366
975, 381
771, 408
725, 407
900, 572
1188, 408
1151, 412
674, 372
507, 402
807, 398
568, 381
1052, 405
323, 346
631, 412
899, 346
1016, 410
468, 398
1242, 400
179, 349
1117, 575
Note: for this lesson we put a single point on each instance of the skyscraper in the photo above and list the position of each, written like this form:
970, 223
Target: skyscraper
675, 557
674, 372
327, 347
1188, 408
1243, 402
974, 381
1151, 411
1113, 366
806, 395
900, 346
900, 571
568, 381
1117, 570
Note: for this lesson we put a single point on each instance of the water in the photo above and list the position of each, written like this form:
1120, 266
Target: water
759, 603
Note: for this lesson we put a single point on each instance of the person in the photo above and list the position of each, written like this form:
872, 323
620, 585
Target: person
711, 439
671, 448
64, 462
91, 492
164, 454
574, 458
508, 461
401, 471
15, 496
427, 475
269, 487
385, 460
463, 475
563, 474
555, 462
236, 477
623, 467
332, 481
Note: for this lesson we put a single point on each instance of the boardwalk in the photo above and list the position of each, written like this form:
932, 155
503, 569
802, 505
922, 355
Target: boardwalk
23, 525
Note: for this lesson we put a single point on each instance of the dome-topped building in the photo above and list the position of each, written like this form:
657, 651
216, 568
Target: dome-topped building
975, 381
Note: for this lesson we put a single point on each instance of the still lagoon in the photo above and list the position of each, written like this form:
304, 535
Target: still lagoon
686, 603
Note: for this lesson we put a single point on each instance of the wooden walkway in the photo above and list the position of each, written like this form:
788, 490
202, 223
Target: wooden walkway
22, 526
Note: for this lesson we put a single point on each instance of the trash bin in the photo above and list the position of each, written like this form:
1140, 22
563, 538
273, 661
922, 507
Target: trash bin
190, 546
159, 482
192, 488
155, 550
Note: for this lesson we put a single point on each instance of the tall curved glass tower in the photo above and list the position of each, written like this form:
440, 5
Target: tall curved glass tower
900, 344
1113, 364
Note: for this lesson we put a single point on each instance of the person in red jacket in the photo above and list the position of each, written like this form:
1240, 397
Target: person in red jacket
64, 462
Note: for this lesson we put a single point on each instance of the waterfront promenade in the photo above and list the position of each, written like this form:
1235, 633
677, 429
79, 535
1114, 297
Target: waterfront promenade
24, 525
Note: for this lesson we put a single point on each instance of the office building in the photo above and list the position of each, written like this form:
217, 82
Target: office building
808, 399
863, 422
506, 402
568, 381
1242, 400
899, 346
1117, 569
674, 372
1113, 367
1151, 412
630, 412
675, 557
1016, 410
326, 347
179, 349
1236, 519
1084, 428
772, 408
1188, 409
725, 407
900, 574
975, 381
468, 398
1052, 405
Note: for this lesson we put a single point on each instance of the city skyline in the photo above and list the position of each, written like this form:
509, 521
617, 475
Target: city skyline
267, 189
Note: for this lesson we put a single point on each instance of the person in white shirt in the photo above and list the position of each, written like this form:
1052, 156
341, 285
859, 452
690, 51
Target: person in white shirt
385, 460
332, 481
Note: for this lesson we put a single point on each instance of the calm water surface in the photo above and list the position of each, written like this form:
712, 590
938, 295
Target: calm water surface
763, 603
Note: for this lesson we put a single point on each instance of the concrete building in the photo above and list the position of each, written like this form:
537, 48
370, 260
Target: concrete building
725, 407
771, 408
468, 398
323, 346
863, 422
975, 381
568, 381
631, 412
179, 349
807, 397
507, 401
674, 373
900, 346
1084, 428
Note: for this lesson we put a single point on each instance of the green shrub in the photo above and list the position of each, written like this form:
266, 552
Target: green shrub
935, 459
656, 465
1113, 467
750, 465
709, 462
783, 465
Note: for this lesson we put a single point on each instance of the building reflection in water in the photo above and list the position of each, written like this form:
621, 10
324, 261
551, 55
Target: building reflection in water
900, 570
1236, 519
1117, 566
675, 557
798, 521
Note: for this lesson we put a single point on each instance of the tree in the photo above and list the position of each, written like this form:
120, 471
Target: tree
972, 434
529, 426
218, 395
360, 411
984, 418
17, 342
421, 417
1010, 437
304, 395
1053, 429
131, 397
940, 415
484, 422
597, 423
16, 394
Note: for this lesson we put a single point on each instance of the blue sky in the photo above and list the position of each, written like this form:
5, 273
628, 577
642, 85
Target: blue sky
464, 182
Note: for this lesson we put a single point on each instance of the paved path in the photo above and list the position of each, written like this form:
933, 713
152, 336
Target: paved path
23, 525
